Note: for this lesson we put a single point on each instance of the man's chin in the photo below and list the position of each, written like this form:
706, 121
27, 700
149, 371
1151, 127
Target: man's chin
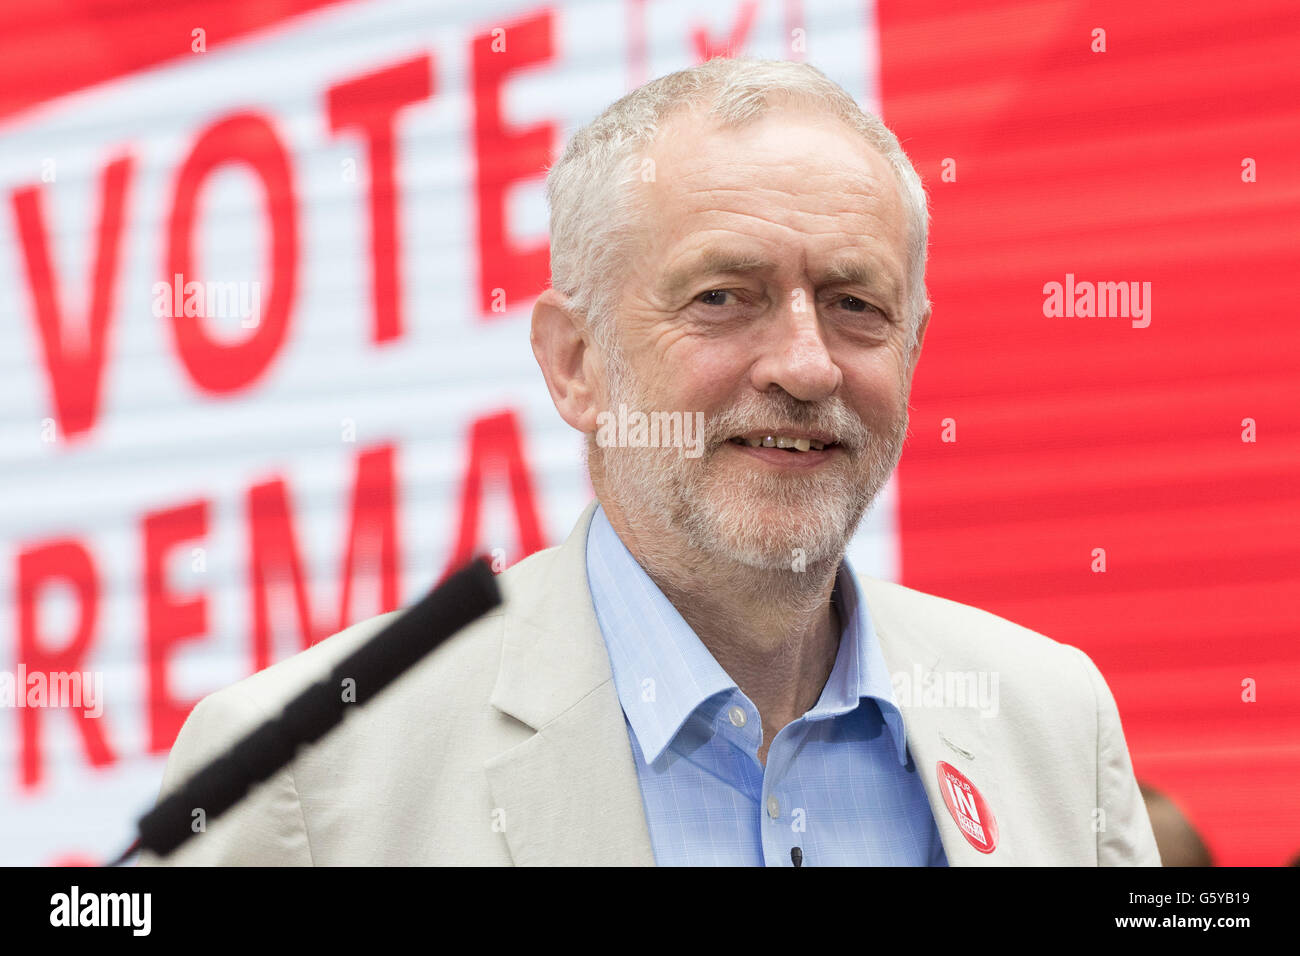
769, 538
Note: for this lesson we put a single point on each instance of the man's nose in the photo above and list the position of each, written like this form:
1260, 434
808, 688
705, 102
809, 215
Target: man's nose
795, 355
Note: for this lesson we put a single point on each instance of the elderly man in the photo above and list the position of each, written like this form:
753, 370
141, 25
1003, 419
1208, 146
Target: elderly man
697, 676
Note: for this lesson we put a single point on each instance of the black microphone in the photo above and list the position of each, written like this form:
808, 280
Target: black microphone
465, 596
796, 856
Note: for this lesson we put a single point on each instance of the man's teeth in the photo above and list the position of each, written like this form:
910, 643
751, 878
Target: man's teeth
780, 441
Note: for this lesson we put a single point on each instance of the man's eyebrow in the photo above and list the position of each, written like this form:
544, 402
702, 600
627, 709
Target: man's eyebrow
711, 262
721, 262
856, 272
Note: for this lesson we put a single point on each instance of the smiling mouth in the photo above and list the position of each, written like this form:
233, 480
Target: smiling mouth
794, 445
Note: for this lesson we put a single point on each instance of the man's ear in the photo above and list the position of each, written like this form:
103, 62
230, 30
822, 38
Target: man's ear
561, 347
915, 354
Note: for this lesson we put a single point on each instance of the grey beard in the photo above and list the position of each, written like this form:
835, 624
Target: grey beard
671, 496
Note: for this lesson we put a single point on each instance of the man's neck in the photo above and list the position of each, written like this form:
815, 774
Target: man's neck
775, 633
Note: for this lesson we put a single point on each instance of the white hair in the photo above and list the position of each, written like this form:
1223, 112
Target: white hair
593, 209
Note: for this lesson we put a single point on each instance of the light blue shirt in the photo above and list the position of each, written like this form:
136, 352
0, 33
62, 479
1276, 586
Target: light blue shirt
839, 782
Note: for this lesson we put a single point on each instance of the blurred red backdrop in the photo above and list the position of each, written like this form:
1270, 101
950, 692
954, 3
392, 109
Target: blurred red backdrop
1081, 433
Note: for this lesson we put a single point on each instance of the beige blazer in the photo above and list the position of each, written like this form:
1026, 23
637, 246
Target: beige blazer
508, 745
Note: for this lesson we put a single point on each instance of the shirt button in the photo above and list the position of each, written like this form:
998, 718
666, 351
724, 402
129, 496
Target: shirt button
773, 808
737, 715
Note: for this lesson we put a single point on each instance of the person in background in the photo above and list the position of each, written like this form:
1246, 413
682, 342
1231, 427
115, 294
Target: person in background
1176, 838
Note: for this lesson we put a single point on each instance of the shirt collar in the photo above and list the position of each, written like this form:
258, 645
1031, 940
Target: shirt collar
663, 673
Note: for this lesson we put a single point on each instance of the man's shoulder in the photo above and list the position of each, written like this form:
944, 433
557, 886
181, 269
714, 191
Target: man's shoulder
475, 649
281, 680
1041, 682
958, 632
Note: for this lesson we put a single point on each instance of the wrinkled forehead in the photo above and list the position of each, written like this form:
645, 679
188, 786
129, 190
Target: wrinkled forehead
789, 176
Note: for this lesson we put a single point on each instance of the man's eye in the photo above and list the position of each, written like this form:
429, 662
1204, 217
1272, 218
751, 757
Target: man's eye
713, 297
855, 304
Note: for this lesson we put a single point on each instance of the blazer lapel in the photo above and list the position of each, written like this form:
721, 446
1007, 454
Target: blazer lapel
569, 793
957, 736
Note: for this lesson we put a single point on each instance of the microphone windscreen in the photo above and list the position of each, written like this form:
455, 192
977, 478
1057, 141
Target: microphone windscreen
462, 598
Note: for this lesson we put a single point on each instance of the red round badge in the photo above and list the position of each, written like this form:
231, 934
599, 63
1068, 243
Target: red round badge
973, 817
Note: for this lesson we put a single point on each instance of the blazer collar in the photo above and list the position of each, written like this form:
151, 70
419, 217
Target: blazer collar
552, 654
570, 792
958, 736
